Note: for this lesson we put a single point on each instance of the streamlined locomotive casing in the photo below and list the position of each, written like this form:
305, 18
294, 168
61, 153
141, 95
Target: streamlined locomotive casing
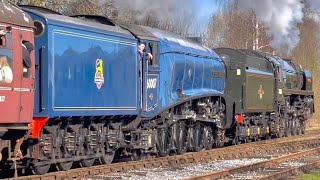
187, 70
84, 68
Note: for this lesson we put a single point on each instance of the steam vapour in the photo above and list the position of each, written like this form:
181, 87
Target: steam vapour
175, 12
163, 9
281, 18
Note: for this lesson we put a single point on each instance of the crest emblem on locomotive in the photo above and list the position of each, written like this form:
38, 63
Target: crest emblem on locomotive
98, 77
261, 92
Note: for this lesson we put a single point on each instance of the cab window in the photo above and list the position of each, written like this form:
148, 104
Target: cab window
154, 51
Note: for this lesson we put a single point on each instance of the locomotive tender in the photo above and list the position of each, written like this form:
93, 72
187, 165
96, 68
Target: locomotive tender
85, 100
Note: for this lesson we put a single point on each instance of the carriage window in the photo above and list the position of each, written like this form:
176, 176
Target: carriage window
2, 39
27, 48
6, 73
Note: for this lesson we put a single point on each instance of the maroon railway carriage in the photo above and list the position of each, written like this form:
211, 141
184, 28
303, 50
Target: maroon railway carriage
16, 81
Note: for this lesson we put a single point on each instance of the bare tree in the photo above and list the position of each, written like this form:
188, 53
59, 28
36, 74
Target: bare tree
237, 29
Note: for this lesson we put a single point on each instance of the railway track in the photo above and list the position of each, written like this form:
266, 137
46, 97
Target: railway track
274, 168
294, 144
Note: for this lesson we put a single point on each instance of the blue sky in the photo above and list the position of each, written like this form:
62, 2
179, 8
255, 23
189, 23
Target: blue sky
207, 7
205, 10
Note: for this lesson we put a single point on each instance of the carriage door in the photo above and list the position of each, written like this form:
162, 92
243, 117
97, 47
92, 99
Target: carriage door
151, 79
25, 70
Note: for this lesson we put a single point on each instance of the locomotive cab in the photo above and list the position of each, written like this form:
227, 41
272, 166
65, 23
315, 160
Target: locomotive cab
278, 74
149, 80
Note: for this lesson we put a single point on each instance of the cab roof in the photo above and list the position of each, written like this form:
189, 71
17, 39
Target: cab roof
171, 42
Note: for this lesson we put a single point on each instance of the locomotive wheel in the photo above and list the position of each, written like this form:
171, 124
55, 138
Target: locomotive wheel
198, 144
298, 130
267, 137
281, 133
138, 155
220, 144
303, 129
248, 140
87, 162
282, 127
45, 162
181, 138
65, 152
107, 158
288, 128
294, 127
208, 139
40, 170
163, 142
237, 141
64, 166
299, 127
87, 152
256, 138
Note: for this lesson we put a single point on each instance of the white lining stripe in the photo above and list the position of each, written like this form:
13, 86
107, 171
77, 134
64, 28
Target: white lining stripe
5, 88
16, 89
22, 89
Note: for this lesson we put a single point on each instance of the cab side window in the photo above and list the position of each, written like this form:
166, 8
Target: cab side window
27, 48
154, 51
